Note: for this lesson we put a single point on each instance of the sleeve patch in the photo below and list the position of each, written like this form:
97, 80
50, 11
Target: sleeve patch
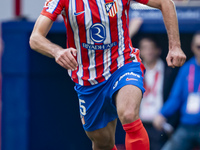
51, 5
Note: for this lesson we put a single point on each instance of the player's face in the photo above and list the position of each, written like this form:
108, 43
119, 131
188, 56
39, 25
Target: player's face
196, 46
149, 51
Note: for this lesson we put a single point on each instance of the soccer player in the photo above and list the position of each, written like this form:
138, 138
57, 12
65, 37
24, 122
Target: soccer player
101, 61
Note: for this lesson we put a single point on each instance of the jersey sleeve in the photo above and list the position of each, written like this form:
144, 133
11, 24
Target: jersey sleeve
52, 8
142, 1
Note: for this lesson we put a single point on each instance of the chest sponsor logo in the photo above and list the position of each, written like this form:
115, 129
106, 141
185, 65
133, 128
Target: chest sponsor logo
111, 8
99, 47
98, 35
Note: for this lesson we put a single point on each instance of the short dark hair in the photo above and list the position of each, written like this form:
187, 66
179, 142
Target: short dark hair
150, 38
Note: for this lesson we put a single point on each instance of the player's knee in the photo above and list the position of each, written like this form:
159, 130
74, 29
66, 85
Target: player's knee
128, 116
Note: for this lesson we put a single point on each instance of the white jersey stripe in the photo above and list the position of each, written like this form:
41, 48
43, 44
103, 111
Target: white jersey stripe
120, 59
91, 53
74, 25
107, 52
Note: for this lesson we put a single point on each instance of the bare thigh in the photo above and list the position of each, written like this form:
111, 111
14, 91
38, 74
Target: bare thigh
103, 139
128, 101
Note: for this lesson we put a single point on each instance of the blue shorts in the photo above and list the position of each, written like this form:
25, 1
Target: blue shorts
96, 102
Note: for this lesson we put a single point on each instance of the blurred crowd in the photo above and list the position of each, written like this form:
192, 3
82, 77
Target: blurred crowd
170, 108
187, 2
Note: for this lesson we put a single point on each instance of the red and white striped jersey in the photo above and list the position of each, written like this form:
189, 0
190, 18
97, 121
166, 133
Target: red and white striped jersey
98, 29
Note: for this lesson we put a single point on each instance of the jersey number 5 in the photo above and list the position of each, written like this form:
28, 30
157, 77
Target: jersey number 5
82, 107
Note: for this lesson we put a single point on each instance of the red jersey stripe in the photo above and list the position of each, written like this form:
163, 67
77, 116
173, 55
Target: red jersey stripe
99, 53
82, 33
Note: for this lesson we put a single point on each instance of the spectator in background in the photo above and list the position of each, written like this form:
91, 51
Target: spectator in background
185, 97
155, 85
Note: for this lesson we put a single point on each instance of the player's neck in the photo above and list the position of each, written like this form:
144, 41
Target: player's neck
151, 65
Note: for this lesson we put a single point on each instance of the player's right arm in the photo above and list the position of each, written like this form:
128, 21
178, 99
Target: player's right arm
39, 43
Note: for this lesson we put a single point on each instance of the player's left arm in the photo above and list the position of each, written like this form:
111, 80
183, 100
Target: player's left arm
176, 56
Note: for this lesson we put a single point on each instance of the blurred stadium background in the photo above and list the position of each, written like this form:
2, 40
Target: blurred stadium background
39, 108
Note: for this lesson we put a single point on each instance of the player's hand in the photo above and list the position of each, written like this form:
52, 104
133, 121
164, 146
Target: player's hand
158, 121
175, 58
66, 58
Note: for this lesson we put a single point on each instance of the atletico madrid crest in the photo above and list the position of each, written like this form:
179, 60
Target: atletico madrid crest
111, 8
